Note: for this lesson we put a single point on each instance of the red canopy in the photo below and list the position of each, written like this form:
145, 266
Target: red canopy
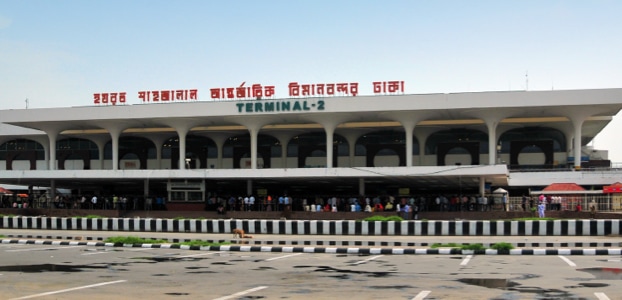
5, 191
614, 188
563, 187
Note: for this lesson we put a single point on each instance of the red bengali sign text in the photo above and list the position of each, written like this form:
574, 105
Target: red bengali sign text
109, 98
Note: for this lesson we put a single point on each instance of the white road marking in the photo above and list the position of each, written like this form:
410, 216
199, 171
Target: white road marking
366, 260
138, 249
41, 249
200, 254
69, 290
242, 293
422, 295
601, 296
285, 256
568, 261
466, 260
107, 252
93, 253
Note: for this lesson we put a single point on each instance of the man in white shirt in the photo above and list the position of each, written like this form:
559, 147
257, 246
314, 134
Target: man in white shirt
251, 202
94, 202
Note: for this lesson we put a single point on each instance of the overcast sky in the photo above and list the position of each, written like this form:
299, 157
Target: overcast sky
59, 53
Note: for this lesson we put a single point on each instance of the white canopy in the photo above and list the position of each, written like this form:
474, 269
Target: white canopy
500, 191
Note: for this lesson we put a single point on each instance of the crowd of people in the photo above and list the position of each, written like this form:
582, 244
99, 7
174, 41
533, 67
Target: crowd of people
90, 202
410, 205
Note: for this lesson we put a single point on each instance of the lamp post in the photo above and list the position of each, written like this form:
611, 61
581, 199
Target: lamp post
499, 154
188, 162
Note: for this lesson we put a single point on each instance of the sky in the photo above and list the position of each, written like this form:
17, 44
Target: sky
59, 53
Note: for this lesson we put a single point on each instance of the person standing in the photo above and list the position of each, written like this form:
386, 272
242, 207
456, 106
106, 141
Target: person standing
593, 209
251, 203
94, 202
246, 203
504, 199
541, 209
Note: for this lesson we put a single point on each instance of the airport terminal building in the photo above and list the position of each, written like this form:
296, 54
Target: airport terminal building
316, 142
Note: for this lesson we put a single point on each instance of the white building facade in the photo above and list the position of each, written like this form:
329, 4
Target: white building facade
357, 145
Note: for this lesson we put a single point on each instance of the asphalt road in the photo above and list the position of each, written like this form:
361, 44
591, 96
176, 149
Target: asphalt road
30, 271
34, 271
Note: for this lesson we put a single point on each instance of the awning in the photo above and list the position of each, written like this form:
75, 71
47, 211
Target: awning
5, 191
556, 187
500, 191
614, 188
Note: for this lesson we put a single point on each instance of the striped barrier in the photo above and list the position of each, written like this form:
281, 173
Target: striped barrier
331, 250
589, 227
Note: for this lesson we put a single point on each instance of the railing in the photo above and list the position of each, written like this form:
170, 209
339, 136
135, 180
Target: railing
607, 202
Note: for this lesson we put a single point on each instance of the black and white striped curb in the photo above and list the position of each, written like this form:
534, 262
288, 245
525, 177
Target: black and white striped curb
331, 250
315, 227
337, 243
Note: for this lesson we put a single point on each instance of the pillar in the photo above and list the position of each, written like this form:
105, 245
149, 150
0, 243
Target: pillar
482, 185
249, 187
362, 186
330, 131
52, 136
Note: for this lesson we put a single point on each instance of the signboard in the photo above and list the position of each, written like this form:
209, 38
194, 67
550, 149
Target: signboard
253, 92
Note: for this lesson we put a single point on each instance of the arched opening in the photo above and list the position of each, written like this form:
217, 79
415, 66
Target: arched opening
21, 154
310, 149
237, 149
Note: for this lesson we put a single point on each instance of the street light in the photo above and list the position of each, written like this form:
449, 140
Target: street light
188, 162
499, 153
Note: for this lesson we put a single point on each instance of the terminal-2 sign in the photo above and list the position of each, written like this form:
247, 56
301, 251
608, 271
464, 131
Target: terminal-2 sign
255, 92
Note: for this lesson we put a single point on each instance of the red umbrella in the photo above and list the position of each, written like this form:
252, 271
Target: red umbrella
5, 191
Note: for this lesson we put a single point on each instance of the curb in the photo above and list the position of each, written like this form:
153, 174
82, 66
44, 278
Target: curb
335, 243
330, 250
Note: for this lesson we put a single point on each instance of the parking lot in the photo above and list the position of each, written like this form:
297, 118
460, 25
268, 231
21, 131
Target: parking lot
33, 271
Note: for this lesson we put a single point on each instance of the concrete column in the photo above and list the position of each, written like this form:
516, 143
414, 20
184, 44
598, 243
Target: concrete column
52, 136
219, 139
146, 188
181, 133
329, 123
409, 145
330, 131
249, 187
482, 185
577, 116
101, 145
254, 124
422, 135
100, 141
409, 120
284, 137
492, 140
351, 136
46, 155
362, 186
52, 190
577, 123
158, 141
115, 134
254, 132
